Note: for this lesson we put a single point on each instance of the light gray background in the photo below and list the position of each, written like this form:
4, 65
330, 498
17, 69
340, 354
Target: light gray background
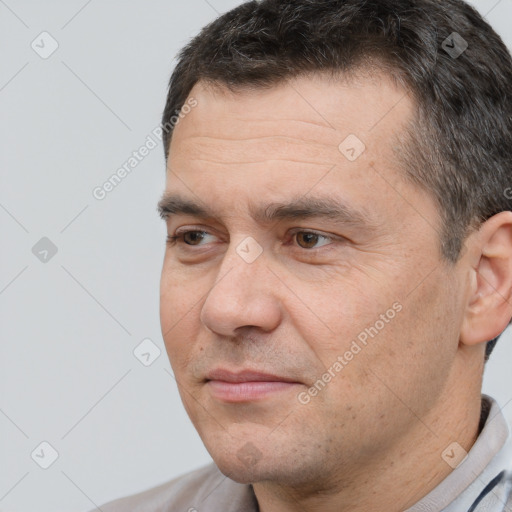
69, 326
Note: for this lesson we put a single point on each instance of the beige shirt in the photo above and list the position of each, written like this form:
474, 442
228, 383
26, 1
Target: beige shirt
481, 483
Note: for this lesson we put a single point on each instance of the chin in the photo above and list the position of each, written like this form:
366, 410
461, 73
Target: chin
240, 473
245, 463
241, 461
251, 453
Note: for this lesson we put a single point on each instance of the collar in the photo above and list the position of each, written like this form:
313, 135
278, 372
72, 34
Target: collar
490, 455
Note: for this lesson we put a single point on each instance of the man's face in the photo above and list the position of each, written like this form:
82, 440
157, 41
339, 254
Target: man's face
303, 254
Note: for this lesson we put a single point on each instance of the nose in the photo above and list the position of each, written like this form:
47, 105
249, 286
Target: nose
243, 295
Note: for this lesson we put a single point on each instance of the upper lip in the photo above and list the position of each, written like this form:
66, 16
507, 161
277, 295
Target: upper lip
246, 376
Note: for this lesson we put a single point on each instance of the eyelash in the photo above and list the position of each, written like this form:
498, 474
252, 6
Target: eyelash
172, 239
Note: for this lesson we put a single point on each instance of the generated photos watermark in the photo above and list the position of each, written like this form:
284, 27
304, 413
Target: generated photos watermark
153, 140
357, 345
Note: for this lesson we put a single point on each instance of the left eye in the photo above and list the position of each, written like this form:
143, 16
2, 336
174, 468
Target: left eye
190, 237
309, 239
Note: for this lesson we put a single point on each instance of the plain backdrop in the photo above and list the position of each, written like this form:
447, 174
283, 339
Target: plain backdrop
79, 276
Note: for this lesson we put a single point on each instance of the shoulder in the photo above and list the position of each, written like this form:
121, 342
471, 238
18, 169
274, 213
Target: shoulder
205, 489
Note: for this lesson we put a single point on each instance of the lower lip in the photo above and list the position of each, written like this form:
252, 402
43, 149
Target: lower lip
246, 391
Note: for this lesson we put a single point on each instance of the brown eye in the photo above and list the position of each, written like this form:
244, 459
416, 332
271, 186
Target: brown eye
307, 240
193, 237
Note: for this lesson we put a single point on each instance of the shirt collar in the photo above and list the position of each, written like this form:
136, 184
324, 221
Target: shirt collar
490, 454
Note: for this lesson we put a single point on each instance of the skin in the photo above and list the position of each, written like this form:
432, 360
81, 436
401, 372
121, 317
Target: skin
372, 438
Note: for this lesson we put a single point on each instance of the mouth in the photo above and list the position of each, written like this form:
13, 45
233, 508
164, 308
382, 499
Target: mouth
247, 385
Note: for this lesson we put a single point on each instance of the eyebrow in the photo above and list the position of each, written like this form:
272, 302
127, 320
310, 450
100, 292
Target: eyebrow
297, 208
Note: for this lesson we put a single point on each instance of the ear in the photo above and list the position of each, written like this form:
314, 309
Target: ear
489, 307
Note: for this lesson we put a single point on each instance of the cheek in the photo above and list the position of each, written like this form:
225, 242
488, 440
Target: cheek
372, 324
180, 289
330, 317
412, 354
179, 310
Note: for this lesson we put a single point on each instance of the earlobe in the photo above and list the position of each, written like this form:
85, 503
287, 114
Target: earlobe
489, 303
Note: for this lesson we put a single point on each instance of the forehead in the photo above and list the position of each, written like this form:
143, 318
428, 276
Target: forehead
318, 107
314, 132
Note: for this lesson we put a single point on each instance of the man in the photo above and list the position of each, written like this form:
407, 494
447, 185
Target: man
339, 260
